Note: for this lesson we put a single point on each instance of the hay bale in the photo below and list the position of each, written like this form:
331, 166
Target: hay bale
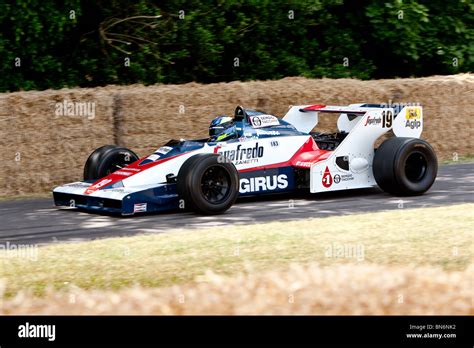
40, 148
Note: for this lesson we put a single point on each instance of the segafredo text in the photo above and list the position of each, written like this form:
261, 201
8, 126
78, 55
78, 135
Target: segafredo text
243, 155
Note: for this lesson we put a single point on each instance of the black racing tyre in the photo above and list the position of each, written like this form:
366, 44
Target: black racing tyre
208, 185
405, 166
106, 160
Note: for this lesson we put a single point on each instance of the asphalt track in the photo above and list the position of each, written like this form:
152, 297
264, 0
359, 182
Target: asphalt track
33, 221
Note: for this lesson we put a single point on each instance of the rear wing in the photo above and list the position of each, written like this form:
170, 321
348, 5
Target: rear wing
405, 121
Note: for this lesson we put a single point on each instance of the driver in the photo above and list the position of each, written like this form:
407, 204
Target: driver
222, 128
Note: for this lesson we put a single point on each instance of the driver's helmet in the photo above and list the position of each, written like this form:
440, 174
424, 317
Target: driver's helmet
222, 128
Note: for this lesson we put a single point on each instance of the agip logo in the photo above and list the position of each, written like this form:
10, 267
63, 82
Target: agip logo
413, 117
327, 178
413, 113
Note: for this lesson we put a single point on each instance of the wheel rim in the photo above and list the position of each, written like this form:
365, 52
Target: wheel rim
119, 161
416, 166
215, 184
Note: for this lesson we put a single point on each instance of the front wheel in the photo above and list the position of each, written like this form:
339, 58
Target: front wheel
405, 166
106, 160
207, 184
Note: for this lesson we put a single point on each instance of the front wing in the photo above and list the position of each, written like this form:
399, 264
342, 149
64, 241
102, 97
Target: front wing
124, 201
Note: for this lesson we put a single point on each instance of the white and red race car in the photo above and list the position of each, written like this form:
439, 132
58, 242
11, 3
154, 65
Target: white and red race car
254, 153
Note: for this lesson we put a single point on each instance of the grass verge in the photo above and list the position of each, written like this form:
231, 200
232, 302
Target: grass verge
458, 160
435, 237
26, 197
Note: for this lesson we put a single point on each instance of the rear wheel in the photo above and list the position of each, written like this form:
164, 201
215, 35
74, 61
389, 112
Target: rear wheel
106, 160
405, 166
207, 185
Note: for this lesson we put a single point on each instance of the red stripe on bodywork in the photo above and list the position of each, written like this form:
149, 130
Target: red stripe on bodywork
314, 107
307, 153
133, 168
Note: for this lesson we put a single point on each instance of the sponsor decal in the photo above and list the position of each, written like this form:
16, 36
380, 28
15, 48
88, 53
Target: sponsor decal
121, 172
327, 178
344, 177
304, 164
267, 132
274, 143
413, 124
153, 157
263, 183
413, 117
97, 186
118, 190
79, 184
132, 169
413, 113
164, 150
243, 155
139, 208
256, 122
250, 136
373, 121
264, 121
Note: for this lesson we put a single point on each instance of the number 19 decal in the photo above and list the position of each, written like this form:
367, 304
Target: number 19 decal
387, 117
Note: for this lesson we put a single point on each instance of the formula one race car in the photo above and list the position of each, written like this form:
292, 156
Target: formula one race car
254, 153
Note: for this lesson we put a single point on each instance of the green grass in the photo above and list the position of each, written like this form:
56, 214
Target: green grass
429, 236
459, 160
26, 197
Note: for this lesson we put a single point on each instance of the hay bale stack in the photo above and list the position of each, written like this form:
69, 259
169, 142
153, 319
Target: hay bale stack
41, 149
